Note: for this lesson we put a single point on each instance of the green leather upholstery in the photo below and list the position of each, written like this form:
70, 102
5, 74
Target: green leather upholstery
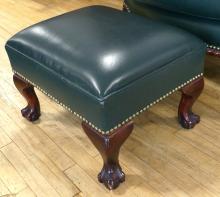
104, 64
199, 17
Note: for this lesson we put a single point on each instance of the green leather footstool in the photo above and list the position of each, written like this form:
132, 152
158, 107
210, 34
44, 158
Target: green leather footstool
106, 67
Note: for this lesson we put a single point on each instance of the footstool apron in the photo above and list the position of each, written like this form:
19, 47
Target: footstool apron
107, 67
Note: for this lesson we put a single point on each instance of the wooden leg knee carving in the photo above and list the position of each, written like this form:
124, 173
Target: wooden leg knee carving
190, 93
32, 111
111, 174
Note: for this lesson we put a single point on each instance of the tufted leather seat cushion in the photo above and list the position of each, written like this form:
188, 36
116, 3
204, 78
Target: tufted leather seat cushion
105, 64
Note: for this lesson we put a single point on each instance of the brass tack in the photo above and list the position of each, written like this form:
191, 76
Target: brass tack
119, 125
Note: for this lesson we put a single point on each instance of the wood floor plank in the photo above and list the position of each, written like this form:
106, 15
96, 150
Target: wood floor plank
55, 177
26, 193
4, 139
3, 189
79, 195
33, 136
183, 155
9, 176
150, 175
28, 172
45, 165
87, 185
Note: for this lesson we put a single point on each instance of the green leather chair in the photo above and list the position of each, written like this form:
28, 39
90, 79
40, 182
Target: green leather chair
199, 17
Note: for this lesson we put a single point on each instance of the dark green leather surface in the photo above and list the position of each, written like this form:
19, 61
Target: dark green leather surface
199, 17
105, 64
202, 8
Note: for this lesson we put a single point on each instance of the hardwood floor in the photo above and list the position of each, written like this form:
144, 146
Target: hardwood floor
53, 157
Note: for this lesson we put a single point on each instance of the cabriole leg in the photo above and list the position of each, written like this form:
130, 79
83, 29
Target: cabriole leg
111, 174
32, 111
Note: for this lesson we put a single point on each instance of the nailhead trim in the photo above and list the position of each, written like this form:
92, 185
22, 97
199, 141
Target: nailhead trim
127, 8
213, 47
122, 123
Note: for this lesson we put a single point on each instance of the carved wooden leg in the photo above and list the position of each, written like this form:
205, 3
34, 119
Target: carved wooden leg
189, 95
213, 52
32, 111
111, 174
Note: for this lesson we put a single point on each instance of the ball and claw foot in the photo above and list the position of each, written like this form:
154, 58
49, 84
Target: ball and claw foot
30, 113
111, 176
190, 122
190, 94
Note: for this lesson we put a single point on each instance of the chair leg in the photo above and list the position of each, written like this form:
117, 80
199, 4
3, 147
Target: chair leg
32, 111
111, 174
190, 93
